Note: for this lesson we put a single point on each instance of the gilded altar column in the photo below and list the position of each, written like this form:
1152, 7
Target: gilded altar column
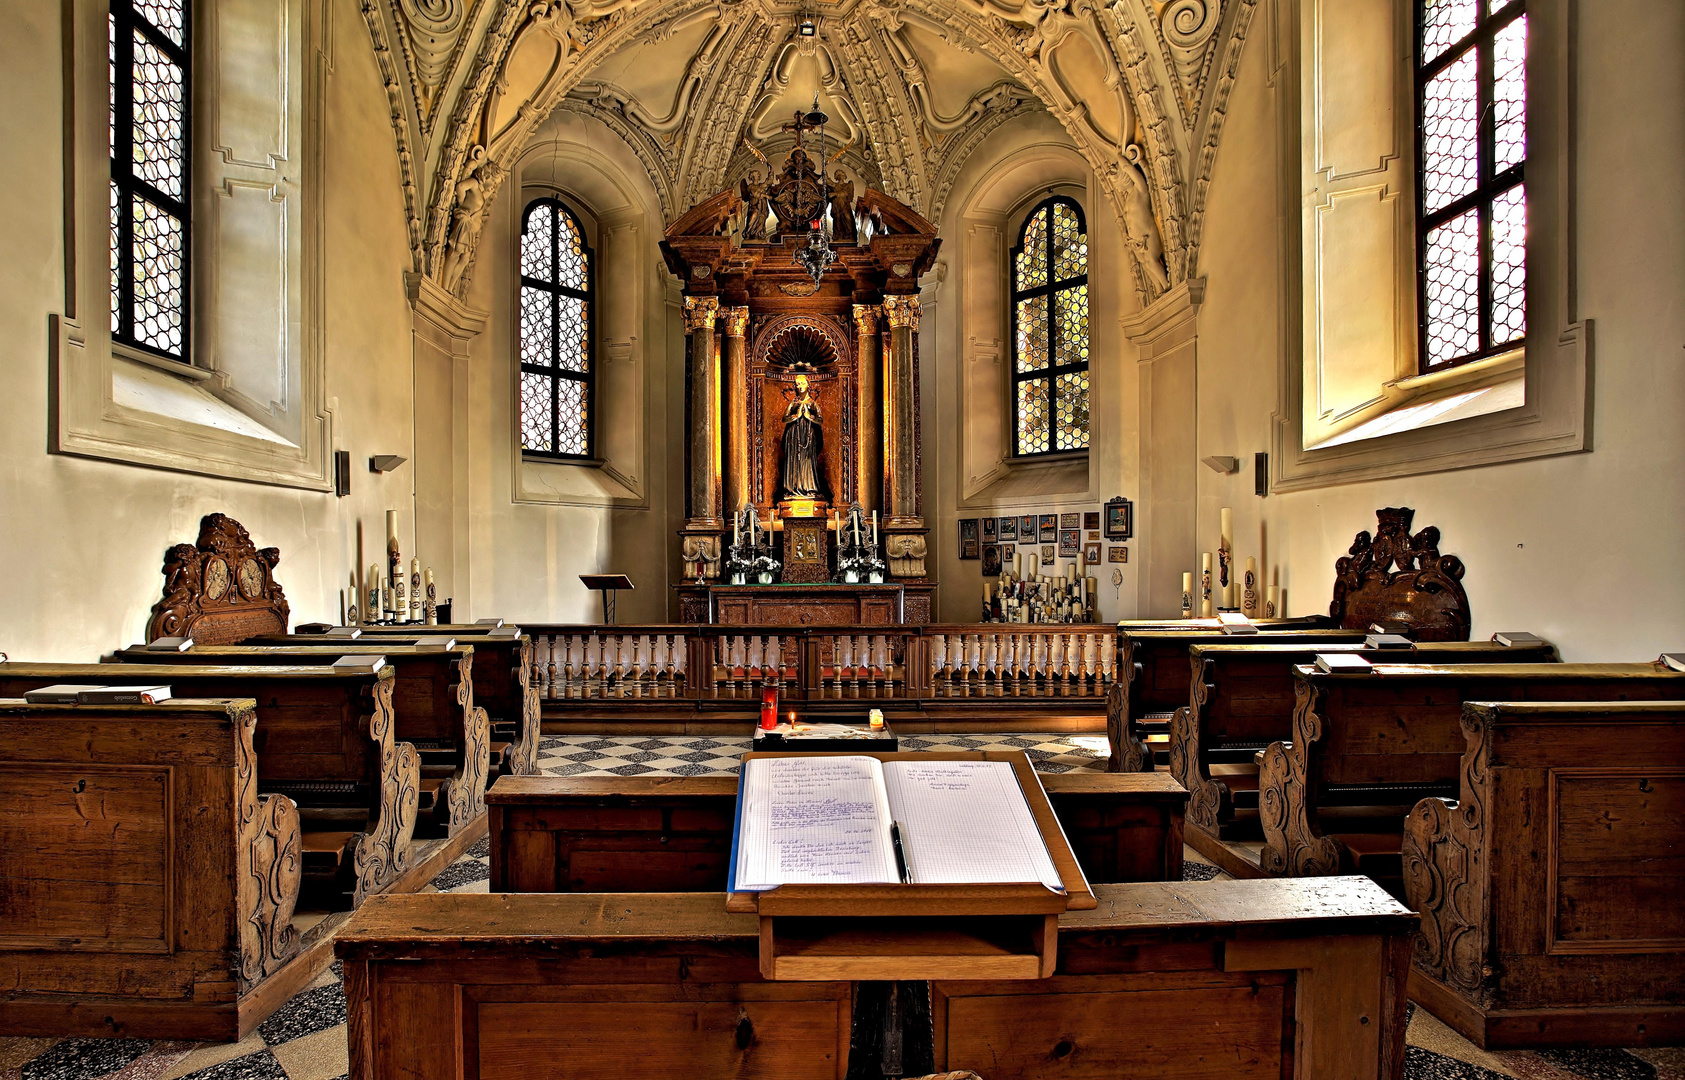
703, 523
869, 468
905, 543
736, 434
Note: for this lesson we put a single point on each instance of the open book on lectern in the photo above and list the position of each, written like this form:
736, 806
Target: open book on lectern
831, 820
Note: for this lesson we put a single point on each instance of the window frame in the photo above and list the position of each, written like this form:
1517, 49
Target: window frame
555, 372
1049, 289
1488, 186
127, 22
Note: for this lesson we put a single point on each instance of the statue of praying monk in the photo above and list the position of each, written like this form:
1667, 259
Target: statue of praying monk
798, 473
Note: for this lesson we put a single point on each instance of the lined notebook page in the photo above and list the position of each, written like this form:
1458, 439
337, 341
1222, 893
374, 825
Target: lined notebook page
813, 821
966, 822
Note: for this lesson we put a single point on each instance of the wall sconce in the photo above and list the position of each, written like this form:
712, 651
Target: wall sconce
1222, 464
385, 463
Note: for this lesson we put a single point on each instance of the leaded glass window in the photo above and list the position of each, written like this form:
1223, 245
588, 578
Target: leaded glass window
147, 49
1471, 143
556, 339
1050, 330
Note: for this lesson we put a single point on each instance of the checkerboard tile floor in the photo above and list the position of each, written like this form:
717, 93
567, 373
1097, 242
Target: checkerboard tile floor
306, 1038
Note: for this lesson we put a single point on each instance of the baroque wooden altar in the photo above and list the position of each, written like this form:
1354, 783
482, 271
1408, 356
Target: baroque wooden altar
755, 320
889, 604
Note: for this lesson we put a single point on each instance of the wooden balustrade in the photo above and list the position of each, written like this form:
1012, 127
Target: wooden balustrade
585, 662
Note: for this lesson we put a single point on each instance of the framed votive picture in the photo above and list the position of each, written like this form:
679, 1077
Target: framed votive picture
1093, 534
991, 560
1117, 553
1008, 529
1070, 521
1047, 554
1027, 529
1050, 528
1091, 552
1070, 542
1091, 520
1120, 519
991, 533
968, 538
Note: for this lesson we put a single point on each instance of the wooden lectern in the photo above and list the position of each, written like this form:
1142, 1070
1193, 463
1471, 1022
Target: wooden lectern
1009, 930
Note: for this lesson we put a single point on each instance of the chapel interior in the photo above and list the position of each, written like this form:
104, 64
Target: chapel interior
447, 436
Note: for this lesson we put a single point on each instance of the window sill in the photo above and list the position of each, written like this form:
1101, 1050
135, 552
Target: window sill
576, 482
173, 367
1049, 475
1479, 388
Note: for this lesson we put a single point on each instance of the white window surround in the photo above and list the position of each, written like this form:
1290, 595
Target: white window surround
991, 475
616, 229
254, 406
1357, 53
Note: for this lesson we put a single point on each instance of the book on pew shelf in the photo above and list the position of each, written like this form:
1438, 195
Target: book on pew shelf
504, 633
1388, 641
1233, 622
313, 628
834, 819
1512, 638
170, 644
1674, 660
59, 694
1389, 626
123, 695
1331, 662
488, 622
372, 661
438, 644
347, 633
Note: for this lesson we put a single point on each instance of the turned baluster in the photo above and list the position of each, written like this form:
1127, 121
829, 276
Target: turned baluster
678, 653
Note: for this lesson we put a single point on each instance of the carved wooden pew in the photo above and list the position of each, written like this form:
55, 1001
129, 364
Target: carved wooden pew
1242, 700
503, 680
323, 739
432, 697
673, 833
1383, 739
146, 887
1294, 979
1550, 891
1153, 681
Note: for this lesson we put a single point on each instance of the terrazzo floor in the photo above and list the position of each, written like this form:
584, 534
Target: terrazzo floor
306, 1038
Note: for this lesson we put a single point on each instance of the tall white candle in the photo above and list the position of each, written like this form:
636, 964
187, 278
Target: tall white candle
1187, 593
874, 528
1205, 585
1272, 605
1249, 589
1225, 557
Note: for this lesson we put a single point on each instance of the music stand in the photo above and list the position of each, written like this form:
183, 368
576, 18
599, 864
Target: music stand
607, 584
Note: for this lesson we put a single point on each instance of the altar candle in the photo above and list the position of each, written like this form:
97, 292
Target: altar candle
1082, 564
1272, 602
874, 528
1205, 585
985, 594
856, 520
1187, 593
1249, 589
429, 577
393, 566
1071, 570
372, 608
1226, 551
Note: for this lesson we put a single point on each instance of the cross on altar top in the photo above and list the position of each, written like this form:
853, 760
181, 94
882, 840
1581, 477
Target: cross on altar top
805, 121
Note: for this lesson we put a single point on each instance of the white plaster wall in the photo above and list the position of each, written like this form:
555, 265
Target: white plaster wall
84, 540
1582, 549
1113, 461
527, 556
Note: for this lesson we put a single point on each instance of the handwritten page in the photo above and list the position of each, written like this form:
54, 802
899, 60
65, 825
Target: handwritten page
966, 822
812, 821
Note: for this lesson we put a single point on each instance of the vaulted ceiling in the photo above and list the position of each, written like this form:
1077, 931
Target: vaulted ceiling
698, 87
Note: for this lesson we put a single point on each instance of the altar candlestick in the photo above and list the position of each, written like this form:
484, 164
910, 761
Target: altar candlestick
1205, 586
1187, 594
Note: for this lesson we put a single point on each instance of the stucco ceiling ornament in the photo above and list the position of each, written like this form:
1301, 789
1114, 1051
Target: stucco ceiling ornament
429, 35
1154, 172
1188, 28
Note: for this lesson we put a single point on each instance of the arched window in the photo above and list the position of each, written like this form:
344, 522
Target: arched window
556, 337
148, 48
1050, 330
1471, 124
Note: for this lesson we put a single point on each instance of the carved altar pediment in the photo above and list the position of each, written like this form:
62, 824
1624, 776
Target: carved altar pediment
220, 590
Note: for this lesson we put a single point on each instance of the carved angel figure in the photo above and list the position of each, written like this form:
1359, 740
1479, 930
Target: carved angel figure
842, 208
753, 190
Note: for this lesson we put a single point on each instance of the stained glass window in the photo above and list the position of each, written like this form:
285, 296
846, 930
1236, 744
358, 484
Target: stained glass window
1471, 132
556, 341
1050, 330
149, 133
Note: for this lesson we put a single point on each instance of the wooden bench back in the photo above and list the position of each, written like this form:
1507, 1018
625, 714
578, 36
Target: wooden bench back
1402, 724
1550, 890
674, 833
138, 862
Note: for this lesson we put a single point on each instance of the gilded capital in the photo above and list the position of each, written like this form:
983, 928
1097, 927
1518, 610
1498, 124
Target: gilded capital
700, 312
866, 319
902, 311
736, 321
